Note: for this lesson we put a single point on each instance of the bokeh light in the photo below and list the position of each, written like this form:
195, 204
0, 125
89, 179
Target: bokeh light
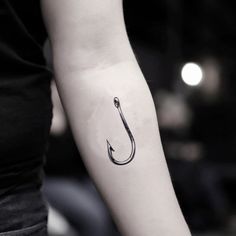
192, 74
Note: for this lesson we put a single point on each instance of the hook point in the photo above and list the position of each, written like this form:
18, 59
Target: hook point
109, 146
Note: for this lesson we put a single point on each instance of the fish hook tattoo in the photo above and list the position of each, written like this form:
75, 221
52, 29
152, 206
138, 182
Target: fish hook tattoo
133, 145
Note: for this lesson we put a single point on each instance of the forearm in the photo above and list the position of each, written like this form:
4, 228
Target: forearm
94, 64
139, 194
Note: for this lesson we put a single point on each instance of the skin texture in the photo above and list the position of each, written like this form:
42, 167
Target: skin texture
93, 63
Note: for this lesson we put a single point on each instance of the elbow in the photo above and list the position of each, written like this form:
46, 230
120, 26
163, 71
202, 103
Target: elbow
95, 54
98, 46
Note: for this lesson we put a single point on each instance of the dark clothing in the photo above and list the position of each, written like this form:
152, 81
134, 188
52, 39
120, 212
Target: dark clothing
25, 114
23, 214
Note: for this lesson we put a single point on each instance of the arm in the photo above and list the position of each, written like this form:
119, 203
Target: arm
94, 63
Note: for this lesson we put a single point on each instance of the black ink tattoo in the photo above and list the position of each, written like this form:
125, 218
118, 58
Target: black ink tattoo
133, 145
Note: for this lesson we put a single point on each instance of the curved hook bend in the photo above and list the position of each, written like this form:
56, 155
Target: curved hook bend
133, 145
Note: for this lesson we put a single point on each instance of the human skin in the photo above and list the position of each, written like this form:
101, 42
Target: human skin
93, 64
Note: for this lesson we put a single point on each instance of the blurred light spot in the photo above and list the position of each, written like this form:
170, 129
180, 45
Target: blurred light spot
192, 74
57, 224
